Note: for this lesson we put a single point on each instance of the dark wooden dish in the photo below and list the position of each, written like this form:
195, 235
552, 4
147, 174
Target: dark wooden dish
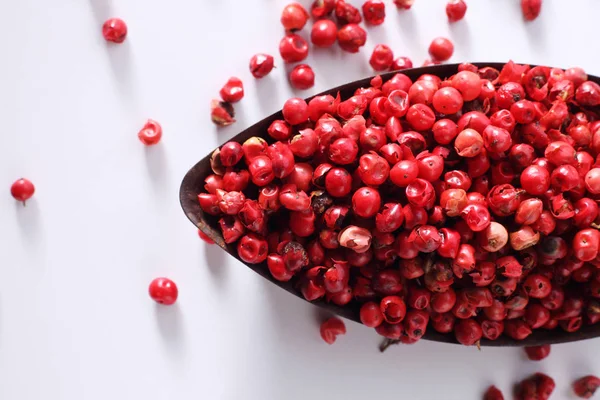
193, 184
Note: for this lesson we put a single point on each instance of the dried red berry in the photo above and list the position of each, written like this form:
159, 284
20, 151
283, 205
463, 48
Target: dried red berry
150, 133
586, 387
114, 30
163, 291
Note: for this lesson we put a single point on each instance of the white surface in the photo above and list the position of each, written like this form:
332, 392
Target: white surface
75, 318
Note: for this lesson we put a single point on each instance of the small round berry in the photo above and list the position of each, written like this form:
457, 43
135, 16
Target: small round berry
351, 38
114, 30
293, 48
531, 9
233, 91
382, 58
374, 12
441, 49
150, 133
22, 190
331, 328
456, 10
294, 16
302, 77
323, 33
295, 111
261, 65
401, 63
163, 291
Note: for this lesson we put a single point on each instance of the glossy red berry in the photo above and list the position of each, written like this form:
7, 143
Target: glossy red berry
295, 111
323, 33
294, 16
150, 133
233, 91
114, 30
371, 315
163, 291
447, 101
381, 58
468, 332
302, 77
456, 10
293, 48
22, 190
531, 9
331, 329
261, 65
401, 63
441, 49
537, 353
366, 202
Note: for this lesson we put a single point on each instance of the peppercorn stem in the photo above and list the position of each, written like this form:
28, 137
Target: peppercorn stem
387, 343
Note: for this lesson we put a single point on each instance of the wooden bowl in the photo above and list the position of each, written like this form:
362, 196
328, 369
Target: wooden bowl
193, 184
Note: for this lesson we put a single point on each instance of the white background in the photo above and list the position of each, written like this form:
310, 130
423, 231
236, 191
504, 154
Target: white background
75, 318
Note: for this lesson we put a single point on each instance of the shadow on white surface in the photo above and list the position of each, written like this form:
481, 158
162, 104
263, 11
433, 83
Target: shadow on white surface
536, 34
267, 94
408, 25
29, 220
157, 165
461, 33
215, 258
169, 320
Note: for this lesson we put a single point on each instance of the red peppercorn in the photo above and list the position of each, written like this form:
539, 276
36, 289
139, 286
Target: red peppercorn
586, 387
404, 4
493, 393
351, 37
221, 113
468, 332
293, 17
150, 133
252, 249
366, 202
381, 58
538, 386
114, 30
293, 48
163, 291
531, 9
323, 33
456, 10
537, 353
261, 65
393, 309
295, 111
441, 49
331, 328
447, 100
233, 91
322, 8
302, 77
22, 190
374, 12
371, 315
401, 63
